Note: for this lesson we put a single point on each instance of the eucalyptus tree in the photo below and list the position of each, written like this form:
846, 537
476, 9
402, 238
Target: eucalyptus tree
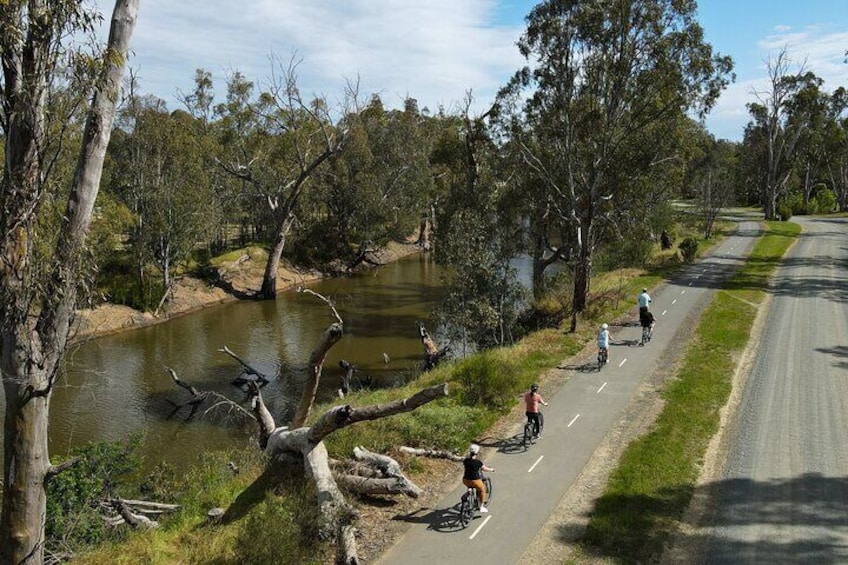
40, 275
812, 105
601, 98
273, 145
375, 189
163, 177
778, 120
478, 235
835, 142
713, 181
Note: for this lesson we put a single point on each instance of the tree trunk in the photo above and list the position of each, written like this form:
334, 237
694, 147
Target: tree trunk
26, 464
269, 279
770, 205
30, 356
582, 274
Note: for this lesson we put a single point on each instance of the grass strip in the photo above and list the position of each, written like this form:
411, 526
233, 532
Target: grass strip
650, 489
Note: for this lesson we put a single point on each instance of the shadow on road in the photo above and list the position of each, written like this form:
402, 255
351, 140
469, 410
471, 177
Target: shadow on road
444, 520
809, 510
838, 351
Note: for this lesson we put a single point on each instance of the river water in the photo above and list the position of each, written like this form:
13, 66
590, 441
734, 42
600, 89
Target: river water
117, 385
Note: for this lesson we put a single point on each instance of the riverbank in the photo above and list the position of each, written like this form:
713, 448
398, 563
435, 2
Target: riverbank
240, 276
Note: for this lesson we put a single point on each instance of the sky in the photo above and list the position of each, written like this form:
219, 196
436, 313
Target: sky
436, 51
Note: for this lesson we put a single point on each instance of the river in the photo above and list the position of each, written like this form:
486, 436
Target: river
115, 386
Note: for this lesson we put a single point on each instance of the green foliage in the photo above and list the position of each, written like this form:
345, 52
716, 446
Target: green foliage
487, 379
161, 484
73, 517
823, 202
785, 209
689, 249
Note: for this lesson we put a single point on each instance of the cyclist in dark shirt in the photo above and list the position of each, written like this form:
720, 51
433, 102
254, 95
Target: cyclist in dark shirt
647, 319
473, 475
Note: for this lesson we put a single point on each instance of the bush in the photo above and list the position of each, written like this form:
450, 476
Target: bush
486, 381
689, 248
73, 518
784, 211
823, 202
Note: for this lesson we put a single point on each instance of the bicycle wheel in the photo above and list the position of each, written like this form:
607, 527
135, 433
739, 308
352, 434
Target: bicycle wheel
600, 359
528, 435
488, 482
465, 511
645, 337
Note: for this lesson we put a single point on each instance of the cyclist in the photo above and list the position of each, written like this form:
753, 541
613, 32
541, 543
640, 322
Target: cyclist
532, 400
646, 319
644, 299
604, 338
472, 476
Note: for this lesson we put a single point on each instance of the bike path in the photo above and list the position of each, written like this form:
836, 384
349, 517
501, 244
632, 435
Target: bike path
529, 485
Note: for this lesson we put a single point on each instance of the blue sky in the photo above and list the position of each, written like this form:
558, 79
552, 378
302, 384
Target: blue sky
437, 50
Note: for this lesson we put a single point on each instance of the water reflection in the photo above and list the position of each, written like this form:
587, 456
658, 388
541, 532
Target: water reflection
117, 385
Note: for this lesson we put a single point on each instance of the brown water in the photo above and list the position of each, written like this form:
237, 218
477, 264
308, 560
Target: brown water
117, 385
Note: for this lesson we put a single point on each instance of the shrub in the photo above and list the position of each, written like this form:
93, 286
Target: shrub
689, 248
784, 211
823, 202
486, 380
73, 518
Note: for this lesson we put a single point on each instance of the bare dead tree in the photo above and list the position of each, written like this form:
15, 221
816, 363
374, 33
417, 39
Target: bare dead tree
246, 368
432, 353
302, 442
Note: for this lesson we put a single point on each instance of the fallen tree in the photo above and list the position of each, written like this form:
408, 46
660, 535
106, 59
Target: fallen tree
369, 473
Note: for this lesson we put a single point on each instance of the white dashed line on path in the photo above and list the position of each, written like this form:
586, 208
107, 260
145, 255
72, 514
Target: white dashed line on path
664, 311
539, 460
683, 291
623, 361
571, 423
480, 527
674, 301
602, 388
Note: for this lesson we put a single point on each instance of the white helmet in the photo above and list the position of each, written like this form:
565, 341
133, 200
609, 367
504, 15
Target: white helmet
474, 449
604, 326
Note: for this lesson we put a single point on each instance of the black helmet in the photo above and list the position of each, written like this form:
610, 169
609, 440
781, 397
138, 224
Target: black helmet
534, 387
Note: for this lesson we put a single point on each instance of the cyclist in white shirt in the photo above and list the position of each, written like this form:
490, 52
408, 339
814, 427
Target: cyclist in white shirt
604, 339
644, 300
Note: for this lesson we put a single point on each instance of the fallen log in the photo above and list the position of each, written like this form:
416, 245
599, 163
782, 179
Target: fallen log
431, 453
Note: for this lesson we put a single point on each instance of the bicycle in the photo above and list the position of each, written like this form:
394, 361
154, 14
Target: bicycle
529, 437
647, 331
470, 504
603, 357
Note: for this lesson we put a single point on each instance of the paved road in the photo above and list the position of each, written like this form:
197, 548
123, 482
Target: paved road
783, 495
528, 485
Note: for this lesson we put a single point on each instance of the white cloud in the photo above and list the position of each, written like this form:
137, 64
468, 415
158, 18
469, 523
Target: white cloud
781, 29
432, 51
817, 50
